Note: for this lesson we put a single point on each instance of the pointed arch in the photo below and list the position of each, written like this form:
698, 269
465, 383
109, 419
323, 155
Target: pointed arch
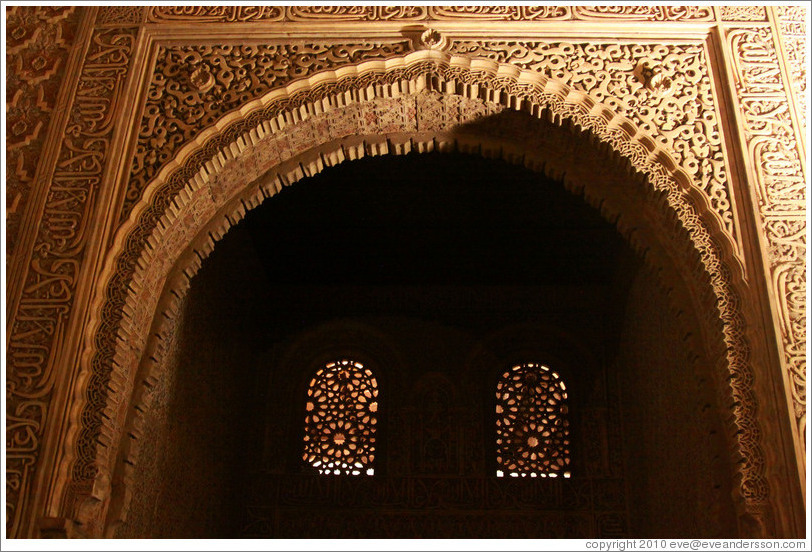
335, 116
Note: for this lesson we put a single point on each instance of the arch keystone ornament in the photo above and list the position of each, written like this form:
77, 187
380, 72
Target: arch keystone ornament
640, 127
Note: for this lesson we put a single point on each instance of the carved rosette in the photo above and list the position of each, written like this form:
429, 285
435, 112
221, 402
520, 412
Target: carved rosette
780, 186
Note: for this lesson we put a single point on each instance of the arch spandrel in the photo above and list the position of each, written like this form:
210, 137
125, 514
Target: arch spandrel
194, 199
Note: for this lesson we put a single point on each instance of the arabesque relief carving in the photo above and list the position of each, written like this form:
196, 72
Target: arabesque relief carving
292, 128
780, 186
39, 325
664, 90
427, 13
37, 329
37, 47
742, 13
192, 87
793, 35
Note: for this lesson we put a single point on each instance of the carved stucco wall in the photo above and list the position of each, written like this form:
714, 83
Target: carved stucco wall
38, 45
74, 218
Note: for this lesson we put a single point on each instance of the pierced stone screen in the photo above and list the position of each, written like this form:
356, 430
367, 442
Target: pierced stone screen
340, 419
532, 430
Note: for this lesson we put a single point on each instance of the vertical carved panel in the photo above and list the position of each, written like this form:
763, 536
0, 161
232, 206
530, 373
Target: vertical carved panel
780, 191
435, 435
792, 23
38, 40
48, 296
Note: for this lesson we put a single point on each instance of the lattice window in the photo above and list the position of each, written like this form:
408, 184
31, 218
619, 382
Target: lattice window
532, 430
340, 419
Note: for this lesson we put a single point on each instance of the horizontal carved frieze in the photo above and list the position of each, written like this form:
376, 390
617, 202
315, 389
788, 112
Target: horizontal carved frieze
432, 493
221, 14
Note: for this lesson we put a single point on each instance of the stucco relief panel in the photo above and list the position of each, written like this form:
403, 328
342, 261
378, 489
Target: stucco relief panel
679, 113
792, 23
780, 188
428, 13
47, 298
38, 329
665, 90
431, 111
193, 86
38, 42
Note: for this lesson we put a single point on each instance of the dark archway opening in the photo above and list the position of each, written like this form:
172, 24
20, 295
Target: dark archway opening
464, 265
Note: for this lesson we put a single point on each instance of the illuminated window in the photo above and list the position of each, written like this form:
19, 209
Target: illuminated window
532, 430
340, 419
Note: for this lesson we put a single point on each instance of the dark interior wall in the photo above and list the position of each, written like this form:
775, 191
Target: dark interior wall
202, 429
675, 455
439, 253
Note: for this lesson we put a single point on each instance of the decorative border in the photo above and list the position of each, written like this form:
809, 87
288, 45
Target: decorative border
231, 14
38, 329
184, 197
780, 189
37, 47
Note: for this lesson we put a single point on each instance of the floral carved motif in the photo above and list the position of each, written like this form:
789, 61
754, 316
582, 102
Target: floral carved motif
780, 191
183, 200
38, 42
665, 90
61, 238
192, 87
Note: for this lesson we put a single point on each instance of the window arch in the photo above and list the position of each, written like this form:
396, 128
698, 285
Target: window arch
532, 426
341, 418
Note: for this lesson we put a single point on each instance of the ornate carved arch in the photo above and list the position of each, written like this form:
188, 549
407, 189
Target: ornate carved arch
422, 101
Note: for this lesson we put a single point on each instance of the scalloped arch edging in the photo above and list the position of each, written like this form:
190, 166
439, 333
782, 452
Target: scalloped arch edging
194, 199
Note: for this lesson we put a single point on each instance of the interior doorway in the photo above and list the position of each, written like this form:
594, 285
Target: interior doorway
442, 271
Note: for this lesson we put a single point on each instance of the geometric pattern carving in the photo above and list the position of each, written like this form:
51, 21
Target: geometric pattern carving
532, 426
340, 421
